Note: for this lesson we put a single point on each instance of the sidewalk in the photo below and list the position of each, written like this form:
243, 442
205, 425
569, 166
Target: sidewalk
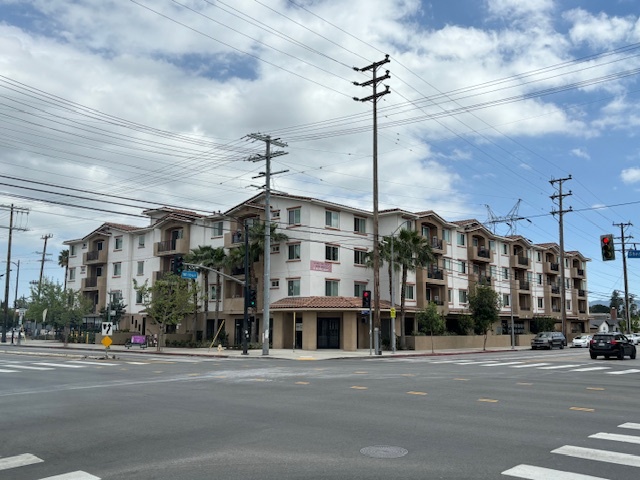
73, 349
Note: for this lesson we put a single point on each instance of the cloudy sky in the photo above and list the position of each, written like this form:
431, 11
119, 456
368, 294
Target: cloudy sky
108, 107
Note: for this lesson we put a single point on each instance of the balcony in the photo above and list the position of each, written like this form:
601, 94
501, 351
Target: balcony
437, 245
94, 283
479, 254
550, 267
518, 261
577, 272
524, 285
178, 246
582, 293
95, 257
555, 289
435, 275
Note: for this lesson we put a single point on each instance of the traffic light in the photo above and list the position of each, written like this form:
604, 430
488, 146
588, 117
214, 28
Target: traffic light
178, 264
366, 299
253, 298
607, 247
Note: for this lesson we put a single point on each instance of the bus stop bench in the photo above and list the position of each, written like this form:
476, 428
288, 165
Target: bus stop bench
140, 340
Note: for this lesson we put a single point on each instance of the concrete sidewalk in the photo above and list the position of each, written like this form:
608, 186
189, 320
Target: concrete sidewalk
287, 354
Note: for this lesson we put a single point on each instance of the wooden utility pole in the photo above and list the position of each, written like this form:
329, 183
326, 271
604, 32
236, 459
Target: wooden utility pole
559, 196
627, 312
376, 242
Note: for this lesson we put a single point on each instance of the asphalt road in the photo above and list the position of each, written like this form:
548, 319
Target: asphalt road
480, 416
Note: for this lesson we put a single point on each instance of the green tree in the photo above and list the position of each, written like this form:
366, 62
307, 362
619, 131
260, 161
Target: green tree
464, 324
410, 251
616, 301
543, 324
167, 301
431, 321
484, 303
599, 308
118, 309
63, 261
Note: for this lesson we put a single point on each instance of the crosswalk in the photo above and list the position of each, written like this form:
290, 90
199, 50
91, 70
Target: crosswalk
26, 459
608, 456
615, 368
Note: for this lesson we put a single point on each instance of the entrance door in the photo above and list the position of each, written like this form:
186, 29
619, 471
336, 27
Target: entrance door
328, 333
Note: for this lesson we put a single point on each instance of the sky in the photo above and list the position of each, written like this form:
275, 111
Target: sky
111, 107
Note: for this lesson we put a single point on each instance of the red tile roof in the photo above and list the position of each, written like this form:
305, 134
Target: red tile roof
323, 303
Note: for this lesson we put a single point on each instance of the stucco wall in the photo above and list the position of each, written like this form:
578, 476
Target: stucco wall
465, 341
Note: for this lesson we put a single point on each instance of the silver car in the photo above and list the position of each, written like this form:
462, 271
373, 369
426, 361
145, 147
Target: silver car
581, 341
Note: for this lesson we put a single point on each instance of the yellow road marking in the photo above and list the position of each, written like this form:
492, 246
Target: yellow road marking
417, 393
355, 387
581, 409
302, 383
489, 400
595, 388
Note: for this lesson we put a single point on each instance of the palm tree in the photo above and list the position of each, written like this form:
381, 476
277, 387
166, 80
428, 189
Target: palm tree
411, 251
63, 261
215, 258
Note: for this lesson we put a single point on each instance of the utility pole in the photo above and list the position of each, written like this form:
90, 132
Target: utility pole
559, 196
627, 313
12, 227
267, 225
44, 254
376, 247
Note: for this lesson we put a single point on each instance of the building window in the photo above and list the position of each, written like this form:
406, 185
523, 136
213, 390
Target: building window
117, 269
446, 235
141, 241
332, 219
72, 274
358, 288
331, 253
449, 295
446, 264
275, 248
539, 256
462, 267
331, 288
72, 250
275, 283
294, 216
461, 239
294, 251
409, 292
141, 268
539, 279
275, 214
217, 229
359, 257
213, 293
568, 305
505, 273
139, 298
492, 245
118, 245
506, 299
505, 249
83, 269
540, 302
360, 225
293, 287
462, 296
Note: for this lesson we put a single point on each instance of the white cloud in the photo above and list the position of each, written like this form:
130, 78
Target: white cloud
580, 153
601, 30
630, 175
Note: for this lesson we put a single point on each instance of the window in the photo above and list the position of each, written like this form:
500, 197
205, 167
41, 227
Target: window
462, 296
139, 298
462, 267
217, 229
331, 288
83, 269
141, 268
461, 239
275, 214
331, 253
332, 219
506, 299
446, 264
72, 274
505, 273
359, 257
294, 252
360, 225
568, 305
409, 292
539, 280
493, 271
358, 288
492, 245
213, 293
446, 235
140, 241
539, 256
275, 283
293, 287
505, 249
425, 231
294, 216
72, 250
540, 302
449, 295
117, 269
275, 248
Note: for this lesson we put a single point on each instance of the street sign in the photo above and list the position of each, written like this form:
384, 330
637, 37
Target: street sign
392, 312
189, 274
634, 254
107, 328
106, 341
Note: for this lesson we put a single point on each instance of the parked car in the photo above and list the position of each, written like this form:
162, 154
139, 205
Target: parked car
613, 344
581, 341
548, 340
633, 337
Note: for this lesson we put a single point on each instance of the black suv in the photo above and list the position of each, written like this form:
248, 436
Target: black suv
548, 340
611, 345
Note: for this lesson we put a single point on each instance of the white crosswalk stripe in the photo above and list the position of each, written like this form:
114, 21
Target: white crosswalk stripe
26, 459
590, 369
539, 473
79, 475
616, 437
501, 364
530, 365
635, 426
95, 364
62, 365
558, 367
30, 367
4, 370
624, 372
599, 455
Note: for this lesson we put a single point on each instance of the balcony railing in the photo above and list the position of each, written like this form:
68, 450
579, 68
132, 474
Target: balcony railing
524, 285
582, 293
555, 289
166, 245
435, 274
436, 243
484, 253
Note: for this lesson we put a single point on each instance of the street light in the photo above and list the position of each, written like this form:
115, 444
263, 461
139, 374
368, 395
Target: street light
393, 303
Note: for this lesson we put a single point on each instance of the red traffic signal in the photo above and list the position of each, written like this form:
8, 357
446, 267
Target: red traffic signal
607, 247
366, 299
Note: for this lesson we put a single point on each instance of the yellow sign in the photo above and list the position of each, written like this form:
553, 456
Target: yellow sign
106, 341
392, 312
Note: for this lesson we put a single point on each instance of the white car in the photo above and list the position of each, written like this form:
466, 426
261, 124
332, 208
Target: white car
633, 337
581, 341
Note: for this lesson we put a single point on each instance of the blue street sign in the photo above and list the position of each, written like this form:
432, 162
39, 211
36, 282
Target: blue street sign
634, 254
189, 274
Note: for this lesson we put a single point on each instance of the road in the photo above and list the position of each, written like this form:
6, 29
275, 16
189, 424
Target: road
479, 416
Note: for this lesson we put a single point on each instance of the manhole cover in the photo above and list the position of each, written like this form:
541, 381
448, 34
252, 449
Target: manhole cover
384, 451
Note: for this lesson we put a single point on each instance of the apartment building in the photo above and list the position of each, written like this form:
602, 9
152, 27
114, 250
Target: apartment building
319, 271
